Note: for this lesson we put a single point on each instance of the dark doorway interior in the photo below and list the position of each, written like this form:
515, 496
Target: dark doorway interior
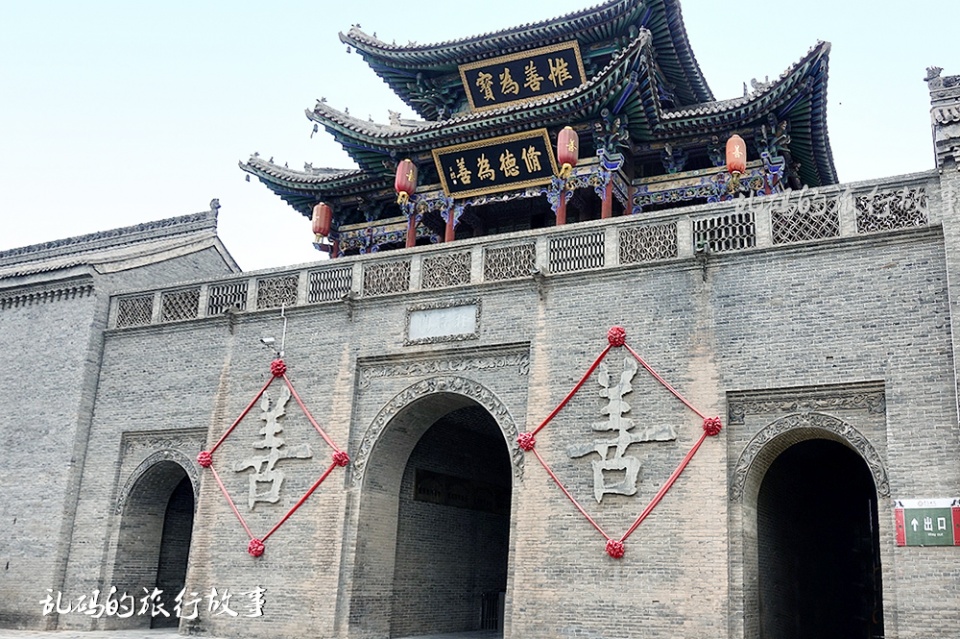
174, 550
453, 528
818, 544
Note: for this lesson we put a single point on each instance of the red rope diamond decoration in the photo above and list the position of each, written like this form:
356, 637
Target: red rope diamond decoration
617, 338
278, 370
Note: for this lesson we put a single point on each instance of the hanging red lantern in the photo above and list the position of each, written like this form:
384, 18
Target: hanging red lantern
406, 181
568, 151
736, 155
322, 219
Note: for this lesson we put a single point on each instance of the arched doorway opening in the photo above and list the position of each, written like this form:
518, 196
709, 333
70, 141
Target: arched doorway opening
433, 525
453, 528
153, 546
818, 548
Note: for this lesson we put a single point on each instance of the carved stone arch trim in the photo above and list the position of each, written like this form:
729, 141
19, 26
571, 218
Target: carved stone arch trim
434, 385
167, 454
816, 424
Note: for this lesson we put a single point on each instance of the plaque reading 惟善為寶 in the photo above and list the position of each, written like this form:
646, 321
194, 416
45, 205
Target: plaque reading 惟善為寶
523, 77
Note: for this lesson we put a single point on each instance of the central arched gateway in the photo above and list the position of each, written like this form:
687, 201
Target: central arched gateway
433, 529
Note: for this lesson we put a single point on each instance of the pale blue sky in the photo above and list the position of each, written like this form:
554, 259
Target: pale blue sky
116, 113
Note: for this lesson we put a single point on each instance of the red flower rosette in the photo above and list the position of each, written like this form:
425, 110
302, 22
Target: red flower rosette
340, 458
205, 458
617, 336
278, 368
615, 548
255, 547
527, 441
712, 426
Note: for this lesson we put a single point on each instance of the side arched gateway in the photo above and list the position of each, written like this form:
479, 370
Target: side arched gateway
809, 484
156, 509
435, 477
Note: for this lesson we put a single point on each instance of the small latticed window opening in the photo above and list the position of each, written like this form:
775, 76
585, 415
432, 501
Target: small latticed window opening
227, 296
509, 262
275, 292
807, 218
731, 232
576, 252
180, 305
445, 270
134, 311
888, 210
648, 243
389, 277
329, 284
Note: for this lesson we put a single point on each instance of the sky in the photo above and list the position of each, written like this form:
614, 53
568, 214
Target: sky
118, 113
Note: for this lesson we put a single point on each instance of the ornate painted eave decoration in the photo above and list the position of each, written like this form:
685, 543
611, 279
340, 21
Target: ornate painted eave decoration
798, 96
600, 30
630, 84
303, 189
628, 76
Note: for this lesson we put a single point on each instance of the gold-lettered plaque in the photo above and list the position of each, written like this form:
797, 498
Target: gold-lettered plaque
499, 164
523, 77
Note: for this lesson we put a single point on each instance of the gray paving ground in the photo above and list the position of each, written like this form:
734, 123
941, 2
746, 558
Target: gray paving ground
172, 634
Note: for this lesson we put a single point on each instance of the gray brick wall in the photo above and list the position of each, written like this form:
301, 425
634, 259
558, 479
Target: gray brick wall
794, 326
50, 407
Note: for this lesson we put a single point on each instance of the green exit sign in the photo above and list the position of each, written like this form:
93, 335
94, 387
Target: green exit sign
927, 522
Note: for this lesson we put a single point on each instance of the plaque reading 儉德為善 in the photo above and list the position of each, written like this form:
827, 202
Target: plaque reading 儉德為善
498, 164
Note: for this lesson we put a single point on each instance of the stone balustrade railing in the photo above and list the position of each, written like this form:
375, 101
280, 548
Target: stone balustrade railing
681, 233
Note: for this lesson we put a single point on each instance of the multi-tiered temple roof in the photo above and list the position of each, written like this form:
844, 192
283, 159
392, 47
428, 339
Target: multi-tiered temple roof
626, 80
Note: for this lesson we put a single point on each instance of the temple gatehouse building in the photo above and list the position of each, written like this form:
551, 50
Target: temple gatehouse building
589, 353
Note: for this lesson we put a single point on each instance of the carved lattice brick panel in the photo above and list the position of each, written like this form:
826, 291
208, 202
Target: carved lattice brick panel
388, 277
329, 285
445, 270
731, 232
274, 292
576, 252
227, 296
180, 305
809, 218
648, 243
134, 311
887, 210
509, 262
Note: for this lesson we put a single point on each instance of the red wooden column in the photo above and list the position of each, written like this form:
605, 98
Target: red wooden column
606, 209
449, 233
412, 230
562, 207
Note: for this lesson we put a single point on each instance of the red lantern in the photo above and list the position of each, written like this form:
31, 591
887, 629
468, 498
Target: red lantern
568, 150
406, 181
736, 155
322, 218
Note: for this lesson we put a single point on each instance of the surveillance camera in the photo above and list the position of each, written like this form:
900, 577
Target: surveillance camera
267, 341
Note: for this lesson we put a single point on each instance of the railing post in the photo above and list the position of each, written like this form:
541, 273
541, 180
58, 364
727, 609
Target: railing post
303, 285
476, 264
416, 267
204, 293
542, 261
157, 307
357, 286
684, 237
611, 246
